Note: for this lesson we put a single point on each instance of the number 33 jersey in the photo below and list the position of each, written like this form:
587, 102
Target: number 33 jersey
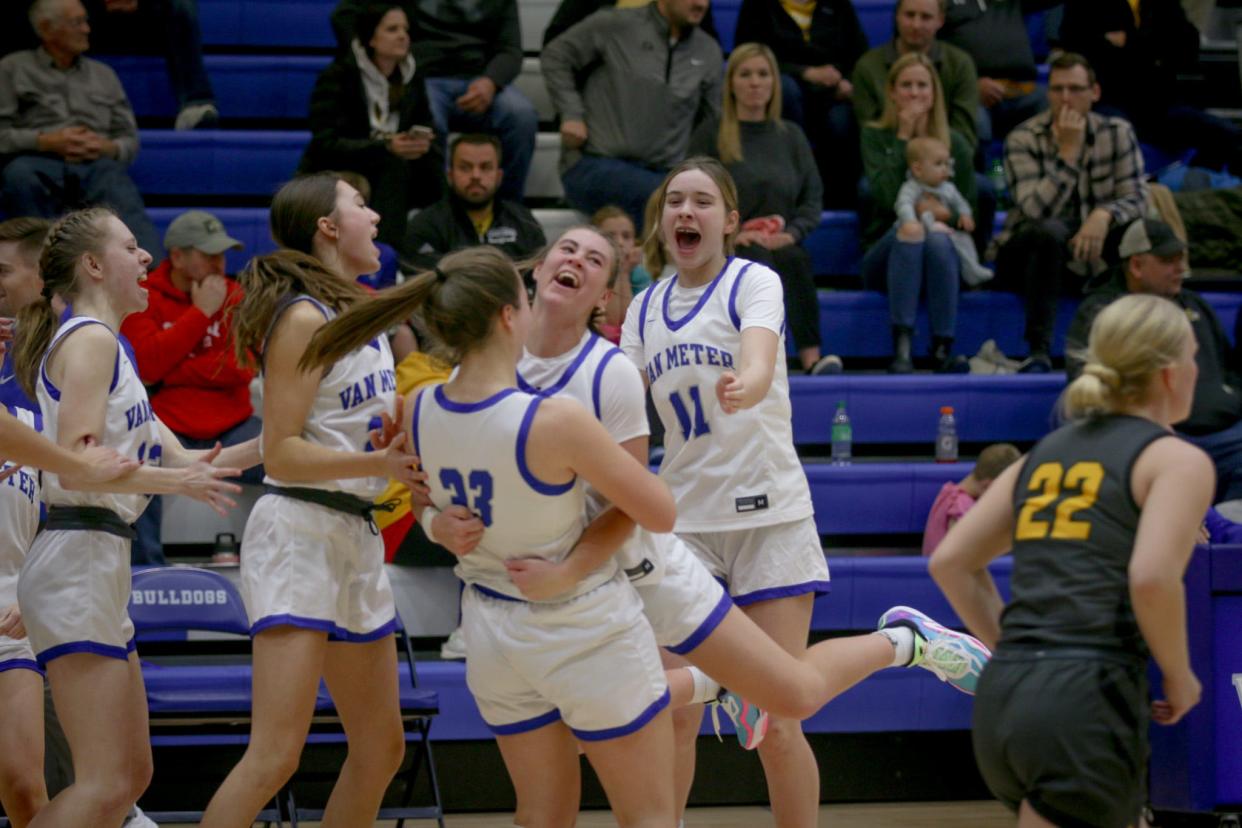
475, 455
726, 471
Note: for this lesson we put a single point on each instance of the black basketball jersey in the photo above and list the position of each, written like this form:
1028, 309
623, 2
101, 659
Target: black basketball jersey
1074, 533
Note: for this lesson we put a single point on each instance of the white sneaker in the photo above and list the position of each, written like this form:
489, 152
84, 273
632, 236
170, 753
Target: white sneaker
197, 116
454, 649
137, 819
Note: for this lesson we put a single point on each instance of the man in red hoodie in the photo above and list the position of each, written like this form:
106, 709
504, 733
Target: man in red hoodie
185, 353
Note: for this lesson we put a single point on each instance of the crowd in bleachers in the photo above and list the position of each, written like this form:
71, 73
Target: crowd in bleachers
811, 112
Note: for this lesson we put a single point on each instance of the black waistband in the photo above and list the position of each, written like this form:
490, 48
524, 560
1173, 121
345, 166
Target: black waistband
88, 519
1036, 652
337, 501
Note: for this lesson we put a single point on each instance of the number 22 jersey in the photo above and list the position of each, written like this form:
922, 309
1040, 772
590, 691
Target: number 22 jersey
726, 471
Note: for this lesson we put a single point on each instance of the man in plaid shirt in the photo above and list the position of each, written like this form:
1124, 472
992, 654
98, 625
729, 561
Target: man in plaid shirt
1076, 179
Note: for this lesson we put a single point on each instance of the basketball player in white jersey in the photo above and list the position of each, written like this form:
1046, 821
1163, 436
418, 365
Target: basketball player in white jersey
709, 341
545, 674
687, 608
312, 576
73, 588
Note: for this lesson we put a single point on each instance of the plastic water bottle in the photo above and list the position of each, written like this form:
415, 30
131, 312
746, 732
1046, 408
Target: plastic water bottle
842, 436
946, 436
996, 176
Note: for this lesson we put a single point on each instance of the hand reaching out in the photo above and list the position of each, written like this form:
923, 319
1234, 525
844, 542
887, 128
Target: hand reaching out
730, 392
203, 481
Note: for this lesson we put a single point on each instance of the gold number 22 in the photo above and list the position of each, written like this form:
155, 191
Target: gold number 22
1049, 479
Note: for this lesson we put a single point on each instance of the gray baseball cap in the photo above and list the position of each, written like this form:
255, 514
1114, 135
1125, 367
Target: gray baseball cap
200, 230
1149, 236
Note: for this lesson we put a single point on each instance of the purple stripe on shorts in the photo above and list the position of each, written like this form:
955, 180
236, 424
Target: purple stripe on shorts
335, 633
790, 591
709, 625
21, 664
92, 647
526, 725
624, 730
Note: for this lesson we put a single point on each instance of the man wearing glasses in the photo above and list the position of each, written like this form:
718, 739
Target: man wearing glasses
1076, 178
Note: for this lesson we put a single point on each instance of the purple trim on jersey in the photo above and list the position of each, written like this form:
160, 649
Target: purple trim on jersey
790, 591
677, 325
599, 379
21, 664
526, 725
11, 394
334, 631
92, 647
499, 596
737, 283
565, 377
550, 489
418, 408
709, 625
470, 408
624, 730
642, 312
54, 392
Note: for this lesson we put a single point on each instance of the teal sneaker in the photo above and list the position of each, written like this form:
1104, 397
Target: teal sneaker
953, 657
750, 723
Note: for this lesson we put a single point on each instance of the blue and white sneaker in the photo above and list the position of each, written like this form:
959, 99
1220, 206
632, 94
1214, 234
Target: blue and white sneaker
750, 723
953, 657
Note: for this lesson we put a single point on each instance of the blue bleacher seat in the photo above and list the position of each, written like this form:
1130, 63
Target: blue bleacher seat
865, 498
216, 162
285, 23
246, 86
876, 17
905, 409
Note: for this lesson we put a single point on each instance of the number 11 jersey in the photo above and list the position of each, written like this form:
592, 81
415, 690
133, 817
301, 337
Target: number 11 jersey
726, 471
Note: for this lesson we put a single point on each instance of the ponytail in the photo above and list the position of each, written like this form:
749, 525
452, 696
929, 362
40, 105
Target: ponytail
70, 238
458, 299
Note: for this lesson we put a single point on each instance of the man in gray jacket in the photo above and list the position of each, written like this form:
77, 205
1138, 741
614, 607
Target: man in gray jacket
630, 85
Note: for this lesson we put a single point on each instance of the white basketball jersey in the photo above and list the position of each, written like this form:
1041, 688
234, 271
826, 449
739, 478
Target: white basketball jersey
351, 396
475, 456
599, 377
19, 516
130, 426
726, 471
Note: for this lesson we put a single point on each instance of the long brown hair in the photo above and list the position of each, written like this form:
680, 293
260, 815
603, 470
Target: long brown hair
266, 280
937, 118
71, 237
653, 245
729, 137
458, 299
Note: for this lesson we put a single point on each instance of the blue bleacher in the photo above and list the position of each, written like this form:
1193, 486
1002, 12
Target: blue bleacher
216, 162
288, 23
880, 498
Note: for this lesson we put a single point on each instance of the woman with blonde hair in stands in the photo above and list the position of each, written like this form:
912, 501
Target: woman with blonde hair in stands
905, 260
312, 576
780, 195
1101, 518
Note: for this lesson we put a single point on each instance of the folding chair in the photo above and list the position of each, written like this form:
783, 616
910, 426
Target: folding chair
418, 706
201, 703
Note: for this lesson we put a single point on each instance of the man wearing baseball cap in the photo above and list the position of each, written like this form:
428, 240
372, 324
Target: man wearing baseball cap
1153, 260
185, 352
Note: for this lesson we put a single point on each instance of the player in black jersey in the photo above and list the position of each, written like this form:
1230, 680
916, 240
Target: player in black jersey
1102, 517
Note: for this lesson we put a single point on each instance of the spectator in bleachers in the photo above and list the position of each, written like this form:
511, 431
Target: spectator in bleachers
779, 192
472, 212
817, 44
916, 23
994, 34
1137, 48
630, 85
470, 54
165, 27
369, 114
955, 499
1153, 260
67, 131
1076, 178
570, 12
184, 353
904, 260
632, 278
